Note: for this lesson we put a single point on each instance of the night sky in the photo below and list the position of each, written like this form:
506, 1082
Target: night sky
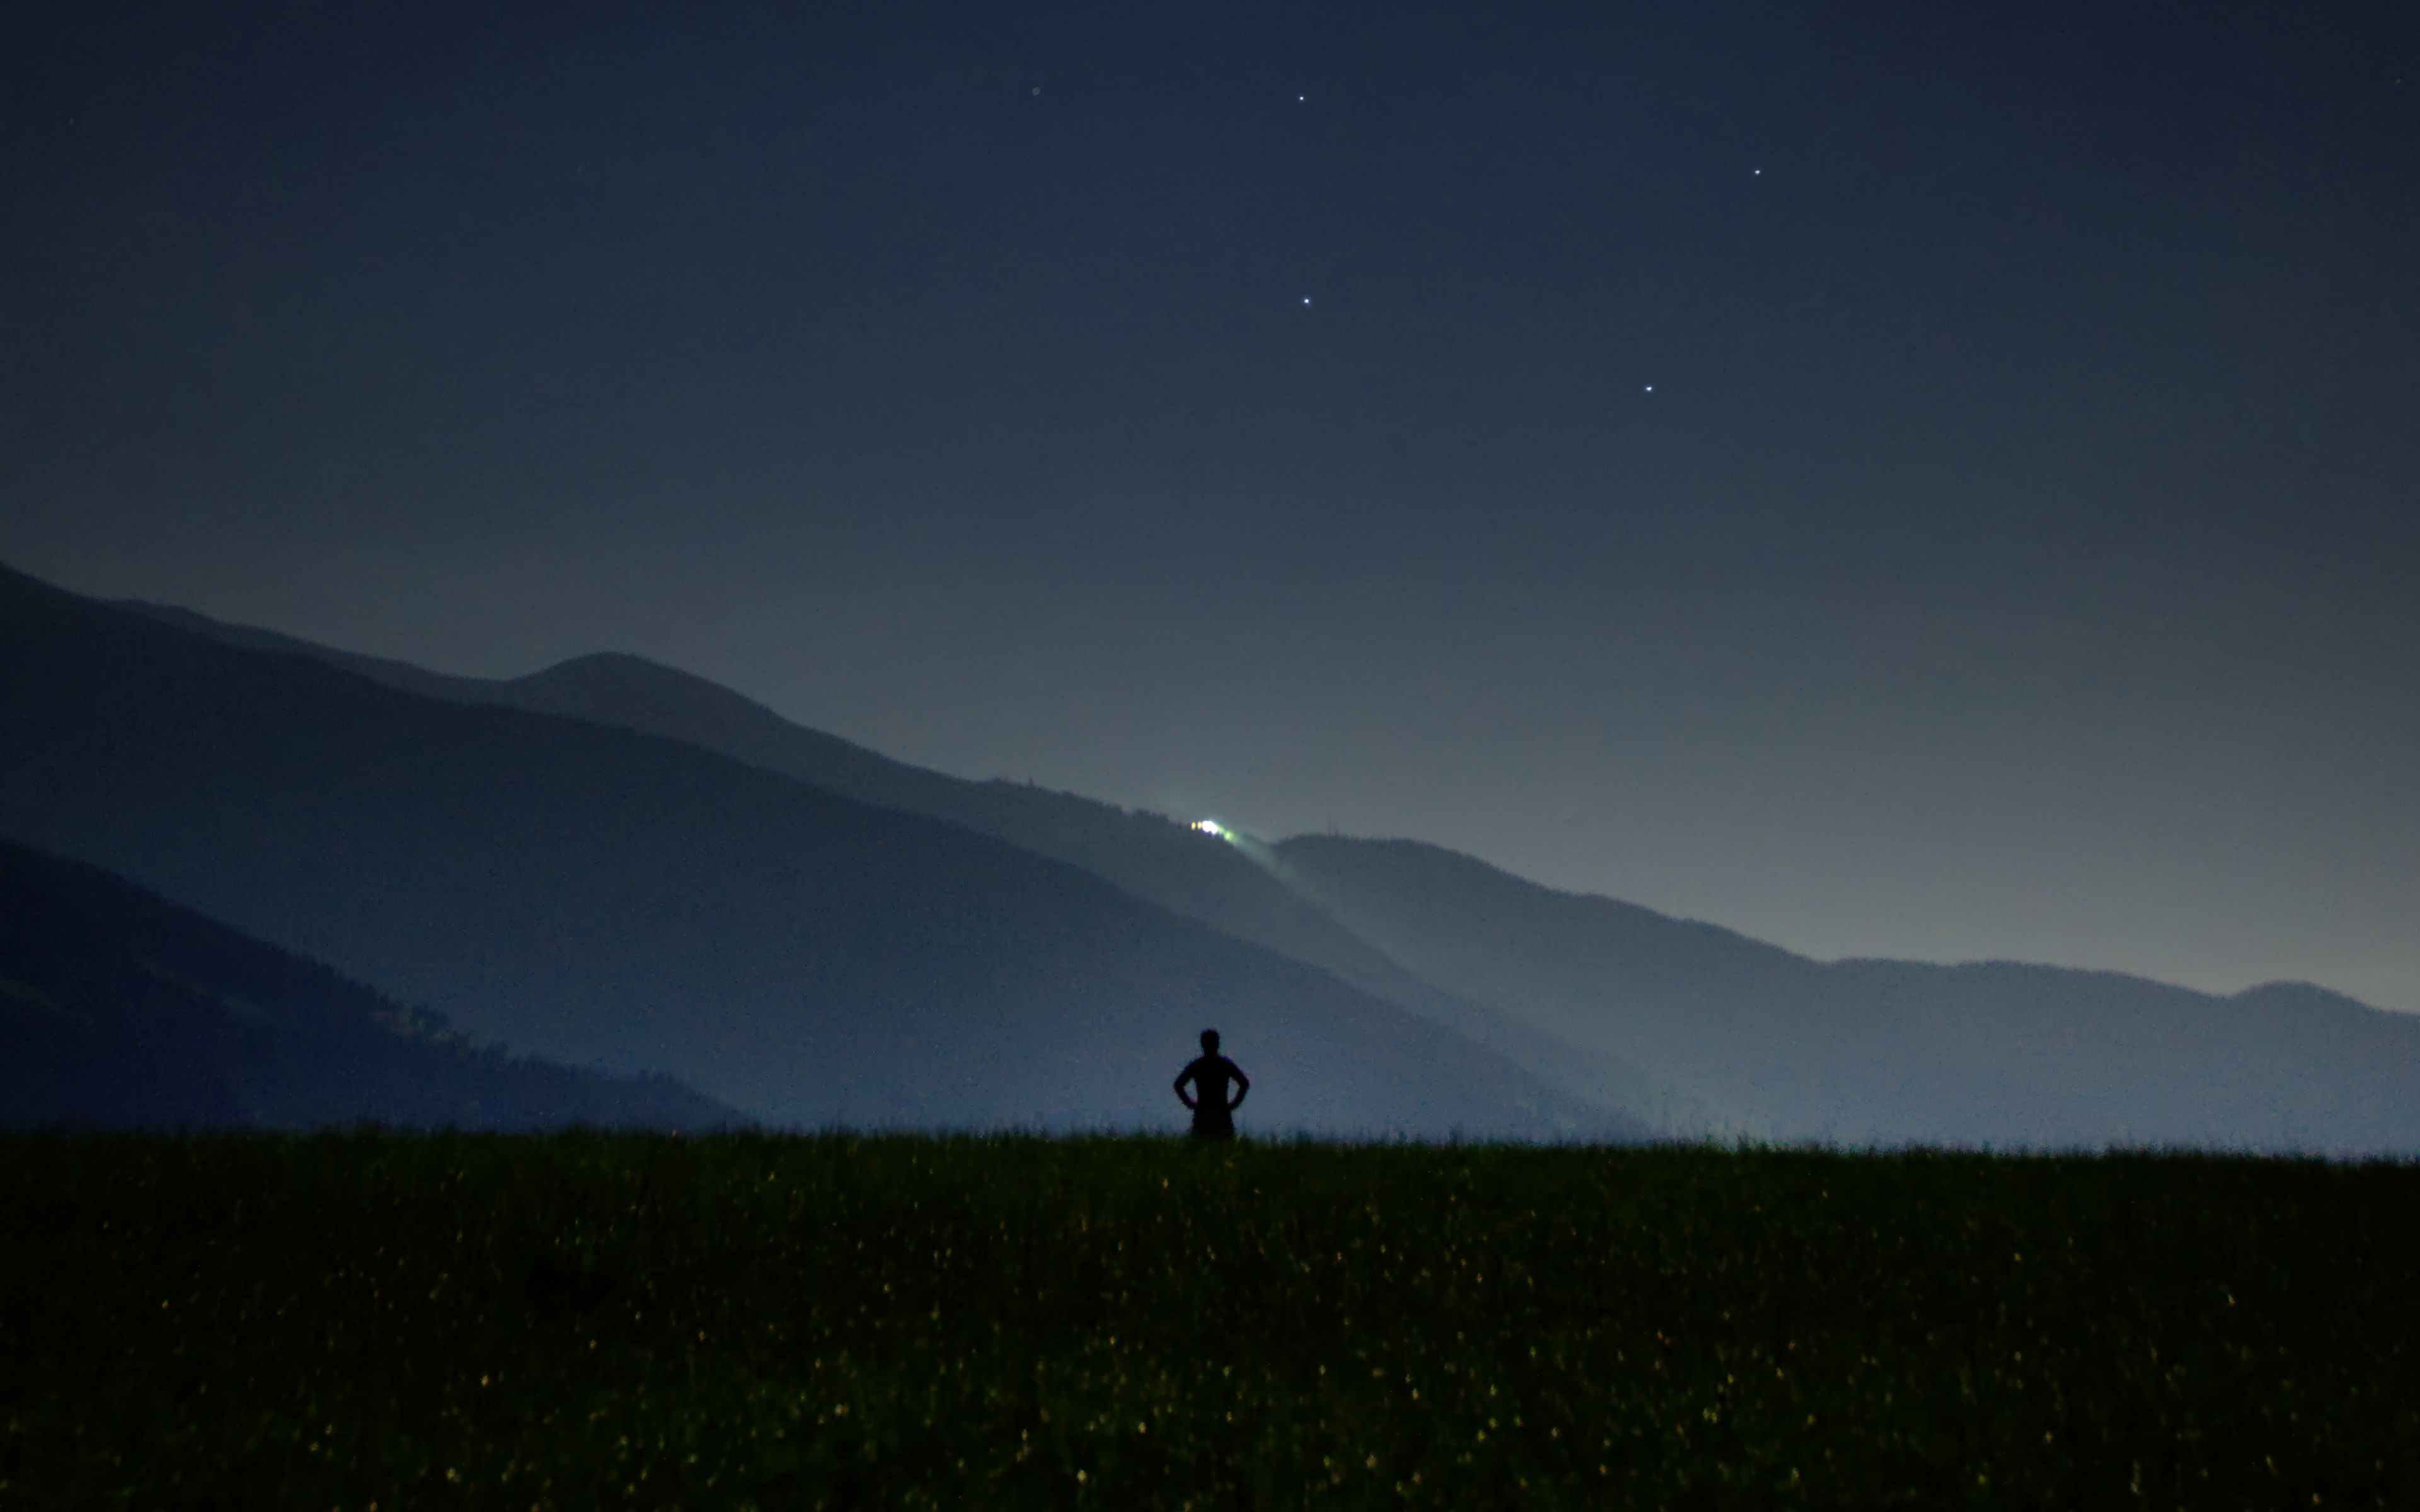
1927, 481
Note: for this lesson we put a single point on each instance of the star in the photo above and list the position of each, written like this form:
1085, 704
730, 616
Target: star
1305, 300
1651, 388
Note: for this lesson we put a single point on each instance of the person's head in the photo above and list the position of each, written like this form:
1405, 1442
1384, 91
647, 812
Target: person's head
1209, 1041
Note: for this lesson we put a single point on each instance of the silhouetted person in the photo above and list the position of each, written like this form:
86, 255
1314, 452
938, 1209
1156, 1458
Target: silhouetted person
1214, 1117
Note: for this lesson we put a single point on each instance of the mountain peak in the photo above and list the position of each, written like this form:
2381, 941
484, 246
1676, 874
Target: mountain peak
619, 665
2304, 996
633, 685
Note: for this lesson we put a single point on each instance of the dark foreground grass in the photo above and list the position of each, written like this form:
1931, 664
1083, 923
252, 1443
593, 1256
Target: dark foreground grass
590, 1320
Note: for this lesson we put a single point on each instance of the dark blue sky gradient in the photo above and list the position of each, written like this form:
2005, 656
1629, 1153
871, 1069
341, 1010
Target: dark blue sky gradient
2016, 555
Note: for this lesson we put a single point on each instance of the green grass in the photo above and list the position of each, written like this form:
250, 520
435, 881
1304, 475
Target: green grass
566, 1321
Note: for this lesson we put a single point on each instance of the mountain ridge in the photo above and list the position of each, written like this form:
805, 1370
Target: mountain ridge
1155, 858
119, 1008
1866, 1050
1702, 1029
609, 897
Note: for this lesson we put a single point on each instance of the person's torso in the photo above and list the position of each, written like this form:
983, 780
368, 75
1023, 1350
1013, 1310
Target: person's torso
1212, 1076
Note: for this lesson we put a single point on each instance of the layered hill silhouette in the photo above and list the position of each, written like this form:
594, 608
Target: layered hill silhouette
118, 1010
622, 901
1883, 1051
1697, 1027
1156, 858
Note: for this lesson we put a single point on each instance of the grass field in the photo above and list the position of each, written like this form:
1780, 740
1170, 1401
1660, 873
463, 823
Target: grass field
357, 1319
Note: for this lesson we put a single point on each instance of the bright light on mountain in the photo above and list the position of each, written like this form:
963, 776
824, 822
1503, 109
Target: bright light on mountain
1209, 826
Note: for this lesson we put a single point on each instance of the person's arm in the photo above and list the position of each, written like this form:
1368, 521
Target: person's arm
1182, 1077
1243, 1085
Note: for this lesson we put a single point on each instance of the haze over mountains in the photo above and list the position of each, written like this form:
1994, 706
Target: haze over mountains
1887, 1052
615, 862
118, 1010
1695, 1028
1160, 860
607, 898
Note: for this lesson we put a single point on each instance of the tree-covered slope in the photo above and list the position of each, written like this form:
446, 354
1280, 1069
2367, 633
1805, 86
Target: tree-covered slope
118, 1010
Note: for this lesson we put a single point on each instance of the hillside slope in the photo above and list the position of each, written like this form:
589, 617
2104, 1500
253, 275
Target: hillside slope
1885, 1050
1156, 858
606, 898
118, 1010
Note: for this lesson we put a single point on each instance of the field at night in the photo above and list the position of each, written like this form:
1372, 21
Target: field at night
359, 1319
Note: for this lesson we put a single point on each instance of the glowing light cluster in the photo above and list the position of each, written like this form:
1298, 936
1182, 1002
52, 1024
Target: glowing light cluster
1209, 826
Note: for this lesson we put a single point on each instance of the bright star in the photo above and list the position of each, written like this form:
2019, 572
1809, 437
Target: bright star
1651, 388
1306, 298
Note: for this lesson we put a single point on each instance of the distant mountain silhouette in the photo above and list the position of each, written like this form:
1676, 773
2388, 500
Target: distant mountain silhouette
1156, 858
608, 897
118, 1010
1692, 1025
1883, 1051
